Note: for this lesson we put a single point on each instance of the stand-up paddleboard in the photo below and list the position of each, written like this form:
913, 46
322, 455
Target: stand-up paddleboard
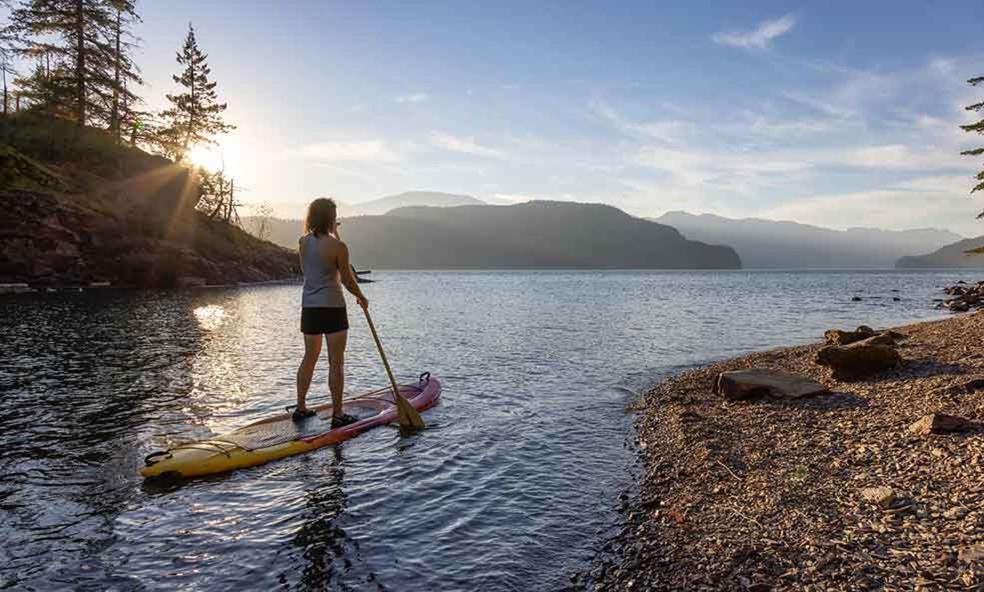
279, 436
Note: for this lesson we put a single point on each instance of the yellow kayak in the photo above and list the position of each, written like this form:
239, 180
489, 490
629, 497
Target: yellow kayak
279, 436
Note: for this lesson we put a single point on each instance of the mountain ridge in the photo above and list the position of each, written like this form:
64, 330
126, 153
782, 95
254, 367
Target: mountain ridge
785, 244
386, 203
531, 235
536, 234
954, 255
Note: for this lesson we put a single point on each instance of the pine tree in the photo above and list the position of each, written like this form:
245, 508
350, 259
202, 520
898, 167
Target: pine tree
7, 50
125, 72
195, 115
978, 128
6, 69
79, 34
41, 89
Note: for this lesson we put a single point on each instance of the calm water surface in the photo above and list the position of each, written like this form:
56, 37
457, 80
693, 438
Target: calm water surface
512, 487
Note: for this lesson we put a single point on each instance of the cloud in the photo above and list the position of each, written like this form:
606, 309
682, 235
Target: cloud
760, 37
671, 131
360, 151
898, 206
465, 145
414, 98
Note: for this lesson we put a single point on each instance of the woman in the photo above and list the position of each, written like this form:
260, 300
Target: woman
325, 263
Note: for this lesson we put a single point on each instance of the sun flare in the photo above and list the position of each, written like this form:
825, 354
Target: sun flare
212, 158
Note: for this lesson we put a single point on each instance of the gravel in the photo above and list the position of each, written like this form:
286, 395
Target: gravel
831, 492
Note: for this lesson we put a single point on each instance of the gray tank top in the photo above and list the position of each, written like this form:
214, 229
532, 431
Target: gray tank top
322, 287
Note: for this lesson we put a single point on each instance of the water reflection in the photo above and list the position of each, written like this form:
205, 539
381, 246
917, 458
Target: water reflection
327, 550
210, 317
509, 488
81, 375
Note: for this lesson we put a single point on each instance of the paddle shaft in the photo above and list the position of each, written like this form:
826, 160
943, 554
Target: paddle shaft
408, 415
382, 354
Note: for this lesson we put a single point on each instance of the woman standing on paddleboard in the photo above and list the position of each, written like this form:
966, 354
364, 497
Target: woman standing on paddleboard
325, 263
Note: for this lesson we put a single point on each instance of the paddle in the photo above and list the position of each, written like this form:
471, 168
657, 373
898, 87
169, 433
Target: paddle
409, 418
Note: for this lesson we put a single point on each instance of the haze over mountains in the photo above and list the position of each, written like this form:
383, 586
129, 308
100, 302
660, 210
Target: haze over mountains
297, 210
287, 223
429, 229
533, 235
771, 244
435, 199
954, 255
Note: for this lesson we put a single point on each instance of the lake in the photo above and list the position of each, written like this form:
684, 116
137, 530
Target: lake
513, 486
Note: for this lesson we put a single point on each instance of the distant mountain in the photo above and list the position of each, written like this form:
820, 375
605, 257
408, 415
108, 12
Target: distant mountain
532, 235
290, 210
409, 199
954, 255
280, 231
296, 210
771, 244
288, 221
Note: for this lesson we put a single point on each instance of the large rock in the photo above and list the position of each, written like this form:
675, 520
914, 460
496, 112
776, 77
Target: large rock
879, 339
939, 423
838, 337
858, 360
753, 382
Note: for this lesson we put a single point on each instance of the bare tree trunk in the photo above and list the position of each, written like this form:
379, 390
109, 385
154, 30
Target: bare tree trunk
219, 203
114, 118
191, 115
80, 61
232, 201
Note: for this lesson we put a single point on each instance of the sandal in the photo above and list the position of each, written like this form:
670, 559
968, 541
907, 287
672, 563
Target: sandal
299, 415
342, 420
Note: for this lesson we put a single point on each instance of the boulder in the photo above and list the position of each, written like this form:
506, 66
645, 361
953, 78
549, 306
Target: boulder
939, 423
879, 339
838, 337
754, 382
858, 360
958, 305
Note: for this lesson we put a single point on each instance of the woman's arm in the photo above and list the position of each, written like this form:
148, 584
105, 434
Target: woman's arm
348, 278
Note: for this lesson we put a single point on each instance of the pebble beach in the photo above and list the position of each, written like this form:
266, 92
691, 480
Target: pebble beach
875, 484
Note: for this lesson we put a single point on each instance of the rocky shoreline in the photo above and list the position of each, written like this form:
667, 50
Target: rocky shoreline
856, 477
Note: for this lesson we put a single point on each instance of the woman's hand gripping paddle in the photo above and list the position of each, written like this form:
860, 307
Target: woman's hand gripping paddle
409, 418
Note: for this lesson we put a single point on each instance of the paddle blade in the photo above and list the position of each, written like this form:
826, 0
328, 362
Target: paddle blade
409, 417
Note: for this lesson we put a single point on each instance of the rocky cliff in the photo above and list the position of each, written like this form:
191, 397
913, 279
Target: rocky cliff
132, 222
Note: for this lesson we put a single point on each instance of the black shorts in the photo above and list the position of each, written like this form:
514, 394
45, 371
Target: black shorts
318, 320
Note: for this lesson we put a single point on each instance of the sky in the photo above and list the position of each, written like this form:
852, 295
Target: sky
837, 113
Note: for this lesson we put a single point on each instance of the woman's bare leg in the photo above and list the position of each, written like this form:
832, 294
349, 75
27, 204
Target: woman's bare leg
312, 349
336, 369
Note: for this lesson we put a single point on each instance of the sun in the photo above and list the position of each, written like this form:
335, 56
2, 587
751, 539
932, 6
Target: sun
211, 158
225, 156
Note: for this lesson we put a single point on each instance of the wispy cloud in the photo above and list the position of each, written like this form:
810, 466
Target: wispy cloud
671, 131
760, 37
414, 98
464, 145
359, 151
